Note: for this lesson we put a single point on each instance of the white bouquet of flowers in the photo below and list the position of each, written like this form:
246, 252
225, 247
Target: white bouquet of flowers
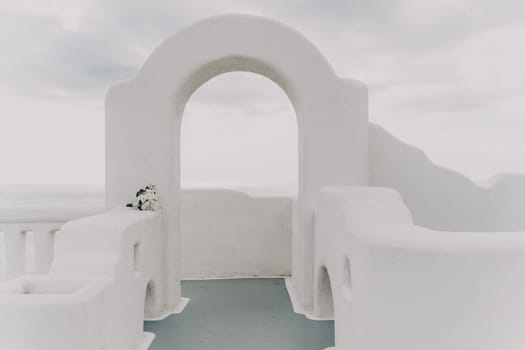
147, 199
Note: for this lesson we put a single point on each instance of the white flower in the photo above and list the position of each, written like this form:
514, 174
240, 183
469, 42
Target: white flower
147, 199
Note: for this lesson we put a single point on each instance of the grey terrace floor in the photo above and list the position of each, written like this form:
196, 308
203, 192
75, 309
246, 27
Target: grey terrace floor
241, 314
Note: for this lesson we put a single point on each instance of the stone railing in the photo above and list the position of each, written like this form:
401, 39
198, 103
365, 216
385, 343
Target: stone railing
27, 247
260, 218
27, 235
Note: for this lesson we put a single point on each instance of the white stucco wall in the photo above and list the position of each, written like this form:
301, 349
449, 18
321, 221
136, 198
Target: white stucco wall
224, 233
332, 118
396, 285
231, 234
441, 198
104, 279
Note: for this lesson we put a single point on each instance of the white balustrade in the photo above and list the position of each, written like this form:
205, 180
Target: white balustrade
26, 248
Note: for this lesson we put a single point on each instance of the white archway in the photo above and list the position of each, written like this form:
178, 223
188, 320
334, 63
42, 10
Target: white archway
143, 119
239, 176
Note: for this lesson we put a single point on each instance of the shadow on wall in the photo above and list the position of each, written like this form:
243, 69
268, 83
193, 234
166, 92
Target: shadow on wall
440, 198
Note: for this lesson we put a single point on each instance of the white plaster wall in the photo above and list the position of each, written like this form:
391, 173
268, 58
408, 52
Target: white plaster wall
225, 233
441, 198
332, 118
95, 295
396, 285
53, 313
232, 234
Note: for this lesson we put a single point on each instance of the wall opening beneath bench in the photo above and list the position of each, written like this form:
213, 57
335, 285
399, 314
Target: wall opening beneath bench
239, 173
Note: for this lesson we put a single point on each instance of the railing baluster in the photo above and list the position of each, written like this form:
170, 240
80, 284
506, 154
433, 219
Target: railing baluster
15, 250
29, 263
26, 248
44, 236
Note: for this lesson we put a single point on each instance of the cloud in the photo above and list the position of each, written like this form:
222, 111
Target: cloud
46, 53
443, 74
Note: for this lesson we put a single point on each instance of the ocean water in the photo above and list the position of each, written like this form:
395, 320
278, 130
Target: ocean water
31, 195
29, 203
51, 194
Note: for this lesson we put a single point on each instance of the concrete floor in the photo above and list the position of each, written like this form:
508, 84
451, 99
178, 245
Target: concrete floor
242, 314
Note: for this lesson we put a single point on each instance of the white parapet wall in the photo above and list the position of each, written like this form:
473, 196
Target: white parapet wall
54, 313
107, 266
226, 233
31, 216
104, 280
26, 248
396, 285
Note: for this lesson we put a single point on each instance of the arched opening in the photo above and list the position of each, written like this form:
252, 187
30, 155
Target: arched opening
150, 301
347, 278
239, 175
324, 303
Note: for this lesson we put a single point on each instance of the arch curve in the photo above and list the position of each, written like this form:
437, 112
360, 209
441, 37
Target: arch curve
331, 112
233, 64
234, 43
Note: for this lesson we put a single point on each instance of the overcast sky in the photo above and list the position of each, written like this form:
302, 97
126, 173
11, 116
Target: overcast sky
445, 75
